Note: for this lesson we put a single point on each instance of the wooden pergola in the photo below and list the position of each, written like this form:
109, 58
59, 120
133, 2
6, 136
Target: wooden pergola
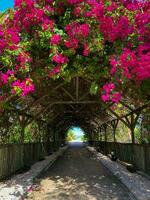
62, 104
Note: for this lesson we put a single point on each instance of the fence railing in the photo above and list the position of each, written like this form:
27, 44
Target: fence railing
137, 154
14, 157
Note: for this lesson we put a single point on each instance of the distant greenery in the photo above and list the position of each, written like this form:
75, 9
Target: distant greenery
70, 136
84, 138
33, 132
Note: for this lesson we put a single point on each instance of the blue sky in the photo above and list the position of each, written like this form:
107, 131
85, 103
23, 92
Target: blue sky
5, 4
78, 133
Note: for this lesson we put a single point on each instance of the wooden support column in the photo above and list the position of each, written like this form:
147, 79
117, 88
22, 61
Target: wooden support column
114, 125
23, 121
105, 132
100, 134
131, 120
92, 138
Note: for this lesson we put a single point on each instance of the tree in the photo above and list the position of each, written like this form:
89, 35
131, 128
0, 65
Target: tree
70, 136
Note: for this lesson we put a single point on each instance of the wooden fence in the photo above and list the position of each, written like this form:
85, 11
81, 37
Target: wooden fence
14, 157
137, 154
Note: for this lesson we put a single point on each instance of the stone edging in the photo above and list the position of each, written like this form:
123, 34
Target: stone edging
17, 187
138, 185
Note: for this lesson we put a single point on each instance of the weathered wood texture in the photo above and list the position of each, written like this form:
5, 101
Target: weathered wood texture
137, 154
14, 157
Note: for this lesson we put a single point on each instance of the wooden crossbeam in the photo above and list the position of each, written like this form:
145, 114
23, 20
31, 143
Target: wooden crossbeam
77, 88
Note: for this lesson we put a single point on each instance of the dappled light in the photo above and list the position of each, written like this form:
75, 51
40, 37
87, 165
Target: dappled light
76, 176
74, 78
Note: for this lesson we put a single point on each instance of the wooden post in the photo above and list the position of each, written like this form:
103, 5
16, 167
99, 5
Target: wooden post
23, 122
105, 129
114, 124
132, 120
92, 137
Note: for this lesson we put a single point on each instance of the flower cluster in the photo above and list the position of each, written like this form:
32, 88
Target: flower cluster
115, 30
23, 87
54, 71
76, 30
55, 39
74, 1
111, 38
4, 77
133, 65
109, 93
59, 59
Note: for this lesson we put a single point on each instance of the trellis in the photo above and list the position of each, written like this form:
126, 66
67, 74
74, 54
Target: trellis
74, 100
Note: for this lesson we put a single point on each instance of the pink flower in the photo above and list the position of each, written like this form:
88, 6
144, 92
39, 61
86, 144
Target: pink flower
24, 88
108, 87
74, 1
59, 58
86, 50
48, 24
55, 39
115, 29
77, 11
54, 71
72, 43
116, 97
4, 78
113, 63
77, 30
19, 3
105, 97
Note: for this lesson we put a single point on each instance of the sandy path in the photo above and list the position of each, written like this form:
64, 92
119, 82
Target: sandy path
77, 175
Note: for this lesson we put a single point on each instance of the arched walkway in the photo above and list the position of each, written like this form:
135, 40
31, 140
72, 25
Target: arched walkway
77, 175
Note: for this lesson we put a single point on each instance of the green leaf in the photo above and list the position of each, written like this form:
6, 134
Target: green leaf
94, 88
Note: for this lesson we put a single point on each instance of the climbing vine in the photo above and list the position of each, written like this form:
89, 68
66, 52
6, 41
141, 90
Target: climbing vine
105, 41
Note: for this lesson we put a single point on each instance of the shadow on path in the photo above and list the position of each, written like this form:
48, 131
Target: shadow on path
77, 175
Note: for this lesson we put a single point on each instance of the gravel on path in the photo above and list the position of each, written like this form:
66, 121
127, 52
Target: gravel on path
137, 184
77, 175
17, 187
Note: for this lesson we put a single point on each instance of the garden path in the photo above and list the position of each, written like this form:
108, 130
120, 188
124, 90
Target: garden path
77, 175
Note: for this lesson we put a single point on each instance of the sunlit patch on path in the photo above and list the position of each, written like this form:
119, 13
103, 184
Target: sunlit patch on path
77, 175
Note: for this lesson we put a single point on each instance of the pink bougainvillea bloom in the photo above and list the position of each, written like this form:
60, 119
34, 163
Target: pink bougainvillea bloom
48, 24
55, 39
105, 97
54, 71
18, 3
4, 78
112, 7
109, 87
74, 1
86, 50
77, 30
116, 97
77, 11
59, 58
25, 87
72, 43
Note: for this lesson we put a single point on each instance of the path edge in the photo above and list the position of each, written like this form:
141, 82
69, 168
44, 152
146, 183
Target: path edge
20, 185
121, 173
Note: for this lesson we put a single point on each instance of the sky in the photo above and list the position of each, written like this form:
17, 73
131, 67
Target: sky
5, 4
78, 132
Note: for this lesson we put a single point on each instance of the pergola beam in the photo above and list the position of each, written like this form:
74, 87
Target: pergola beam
77, 88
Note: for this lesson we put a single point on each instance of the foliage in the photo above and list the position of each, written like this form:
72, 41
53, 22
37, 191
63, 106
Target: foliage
70, 136
31, 133
84, 138
105, 41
